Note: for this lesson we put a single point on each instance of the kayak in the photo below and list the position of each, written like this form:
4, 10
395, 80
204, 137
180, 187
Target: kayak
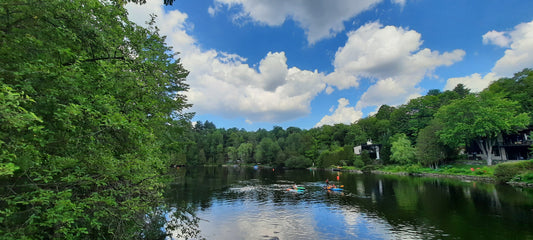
331, 188
297, 189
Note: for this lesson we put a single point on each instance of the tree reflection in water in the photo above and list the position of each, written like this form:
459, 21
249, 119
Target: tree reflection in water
245, 203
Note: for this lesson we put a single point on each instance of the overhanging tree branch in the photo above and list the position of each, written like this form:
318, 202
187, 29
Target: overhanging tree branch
95, 59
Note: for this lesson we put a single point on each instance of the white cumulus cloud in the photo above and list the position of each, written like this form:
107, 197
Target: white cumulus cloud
474, 82
391, 56
518, 55
387, 91
224, 84
496, 38
343, 114
319, 19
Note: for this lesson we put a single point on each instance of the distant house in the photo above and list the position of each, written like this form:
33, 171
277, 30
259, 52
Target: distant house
373, 149
508, 147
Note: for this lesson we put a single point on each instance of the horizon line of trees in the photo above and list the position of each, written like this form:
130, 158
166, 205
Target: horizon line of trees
92, 113
429, 130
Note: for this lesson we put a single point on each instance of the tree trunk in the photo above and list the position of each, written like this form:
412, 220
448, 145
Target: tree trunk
485, 145
489, 152
483, 150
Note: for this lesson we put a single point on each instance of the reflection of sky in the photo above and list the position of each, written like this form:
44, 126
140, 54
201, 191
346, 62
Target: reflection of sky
352, 224
369, 208
254, 220
250, 218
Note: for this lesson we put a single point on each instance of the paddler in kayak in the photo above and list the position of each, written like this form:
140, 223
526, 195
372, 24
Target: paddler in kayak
296, 188
329, 186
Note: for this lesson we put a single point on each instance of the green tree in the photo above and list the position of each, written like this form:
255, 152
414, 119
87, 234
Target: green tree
480, 118
415, 115
402, 150
519, 88
267, 151
298, 162
375, 129
94, 95
430, 151
384, 112
16, 126
461, 90
232, 154
245, 152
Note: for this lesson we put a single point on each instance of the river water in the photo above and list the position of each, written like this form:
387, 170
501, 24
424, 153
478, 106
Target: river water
247, 203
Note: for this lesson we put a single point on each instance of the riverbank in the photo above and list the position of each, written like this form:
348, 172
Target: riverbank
490, 179
464, 172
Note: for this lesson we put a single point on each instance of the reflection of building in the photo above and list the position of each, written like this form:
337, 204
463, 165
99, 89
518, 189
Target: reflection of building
507, 147
373, 149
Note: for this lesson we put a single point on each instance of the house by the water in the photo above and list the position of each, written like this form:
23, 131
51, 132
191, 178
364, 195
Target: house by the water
373, 149
514, 146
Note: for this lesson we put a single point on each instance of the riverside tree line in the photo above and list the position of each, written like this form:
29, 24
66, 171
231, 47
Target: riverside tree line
92, 113
90, 104
429, 130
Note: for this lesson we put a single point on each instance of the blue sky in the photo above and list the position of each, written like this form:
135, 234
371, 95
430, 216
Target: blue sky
306, 63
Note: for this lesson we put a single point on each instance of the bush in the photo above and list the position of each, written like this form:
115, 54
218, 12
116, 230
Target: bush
298, 162
507, 171
369, 168
365, 157
525, 177
413, 168
358, 163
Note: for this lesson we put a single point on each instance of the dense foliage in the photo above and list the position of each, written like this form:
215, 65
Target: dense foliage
90, 109
430, 130
507, 171
92, 115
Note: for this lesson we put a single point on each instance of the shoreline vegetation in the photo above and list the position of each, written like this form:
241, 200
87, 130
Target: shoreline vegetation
441, 133
515, 173
94, 110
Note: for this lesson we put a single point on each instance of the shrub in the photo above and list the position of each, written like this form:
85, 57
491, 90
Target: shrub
507, 171
365, 157
369, 168
358, 163
525, 177
413, 168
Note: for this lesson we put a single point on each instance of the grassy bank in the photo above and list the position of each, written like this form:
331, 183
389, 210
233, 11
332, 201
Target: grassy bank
521, 172
450, 169
514, 172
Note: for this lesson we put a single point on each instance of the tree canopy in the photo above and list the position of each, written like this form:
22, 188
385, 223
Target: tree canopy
86, 98
499, 109
480, 118
93, 112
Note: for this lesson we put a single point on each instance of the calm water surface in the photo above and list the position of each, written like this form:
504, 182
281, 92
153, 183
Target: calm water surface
243, 203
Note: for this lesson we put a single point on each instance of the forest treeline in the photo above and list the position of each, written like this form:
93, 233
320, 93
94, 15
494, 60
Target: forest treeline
93, 113
429, 130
